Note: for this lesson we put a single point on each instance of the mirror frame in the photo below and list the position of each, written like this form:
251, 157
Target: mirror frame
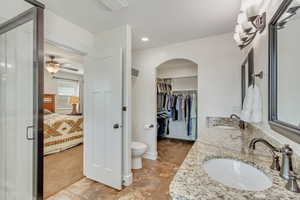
250, 61
288, 130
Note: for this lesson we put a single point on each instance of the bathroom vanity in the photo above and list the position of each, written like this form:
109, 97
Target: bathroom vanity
230, 148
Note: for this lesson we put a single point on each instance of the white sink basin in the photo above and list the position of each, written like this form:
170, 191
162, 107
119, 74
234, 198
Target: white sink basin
237, 174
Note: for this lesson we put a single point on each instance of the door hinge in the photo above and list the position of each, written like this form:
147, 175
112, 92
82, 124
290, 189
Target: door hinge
124, 108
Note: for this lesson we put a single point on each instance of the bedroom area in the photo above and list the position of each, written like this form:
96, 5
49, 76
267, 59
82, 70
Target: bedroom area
63, 117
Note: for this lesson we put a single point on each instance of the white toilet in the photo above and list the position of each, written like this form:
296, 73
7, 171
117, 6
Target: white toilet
138, 149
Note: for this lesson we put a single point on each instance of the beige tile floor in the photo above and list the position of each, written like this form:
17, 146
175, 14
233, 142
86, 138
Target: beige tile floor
150, 183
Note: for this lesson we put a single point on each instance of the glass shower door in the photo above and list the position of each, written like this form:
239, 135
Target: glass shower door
20, 113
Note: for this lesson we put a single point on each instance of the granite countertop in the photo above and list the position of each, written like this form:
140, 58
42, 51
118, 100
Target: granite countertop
191, 182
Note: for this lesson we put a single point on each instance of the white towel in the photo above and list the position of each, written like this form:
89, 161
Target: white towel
257, 106
247, 105
252, 106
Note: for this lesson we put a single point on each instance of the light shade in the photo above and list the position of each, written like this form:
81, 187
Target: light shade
242, 18
239, 28
237, 38
73, 100
246, 4
52, 67
247, 26
252, 11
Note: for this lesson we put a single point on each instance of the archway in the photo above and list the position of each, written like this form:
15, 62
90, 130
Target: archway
176, 102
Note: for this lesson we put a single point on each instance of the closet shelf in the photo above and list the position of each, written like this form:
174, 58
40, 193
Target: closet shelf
185, 90
177, 77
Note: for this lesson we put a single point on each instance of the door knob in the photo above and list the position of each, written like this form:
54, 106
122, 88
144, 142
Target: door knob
116, 126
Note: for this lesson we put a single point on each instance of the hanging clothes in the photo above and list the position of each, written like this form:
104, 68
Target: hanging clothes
174, 110
194, 106
189, 118
162, 124
164, 89
178, 107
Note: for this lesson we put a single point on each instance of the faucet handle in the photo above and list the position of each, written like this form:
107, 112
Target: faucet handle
275, 163
292, 184
286, 149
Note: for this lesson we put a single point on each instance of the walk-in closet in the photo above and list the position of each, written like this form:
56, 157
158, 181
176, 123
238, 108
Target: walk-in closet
177, 88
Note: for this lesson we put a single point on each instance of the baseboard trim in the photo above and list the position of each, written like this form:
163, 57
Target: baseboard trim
150, 155
127, 179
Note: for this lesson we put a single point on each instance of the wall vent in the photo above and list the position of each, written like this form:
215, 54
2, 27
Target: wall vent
134, 72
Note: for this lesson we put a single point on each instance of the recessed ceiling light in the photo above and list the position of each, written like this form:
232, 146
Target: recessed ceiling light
145, 39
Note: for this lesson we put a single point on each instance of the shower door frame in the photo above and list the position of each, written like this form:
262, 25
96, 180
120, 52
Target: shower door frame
36, 15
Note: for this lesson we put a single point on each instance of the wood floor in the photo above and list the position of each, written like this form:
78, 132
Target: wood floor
150, 183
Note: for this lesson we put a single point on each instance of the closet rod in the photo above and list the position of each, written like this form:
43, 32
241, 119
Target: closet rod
178, 77
184, 90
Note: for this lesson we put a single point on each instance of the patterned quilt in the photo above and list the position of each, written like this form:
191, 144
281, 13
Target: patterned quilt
62, 132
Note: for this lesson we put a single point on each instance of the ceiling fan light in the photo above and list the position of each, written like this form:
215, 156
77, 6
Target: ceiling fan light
52, 67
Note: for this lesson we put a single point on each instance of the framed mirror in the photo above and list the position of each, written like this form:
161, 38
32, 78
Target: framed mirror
247, 72
284, 70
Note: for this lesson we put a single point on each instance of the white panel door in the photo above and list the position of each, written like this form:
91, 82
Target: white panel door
103, 118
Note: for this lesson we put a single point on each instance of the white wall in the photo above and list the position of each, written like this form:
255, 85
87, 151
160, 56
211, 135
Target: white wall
219, 82
121, 38
260, 46
61, 31
57, 29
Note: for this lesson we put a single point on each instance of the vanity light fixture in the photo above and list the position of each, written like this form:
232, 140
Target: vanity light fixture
249, 23
145, 39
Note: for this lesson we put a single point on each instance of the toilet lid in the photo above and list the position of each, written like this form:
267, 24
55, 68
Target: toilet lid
138, 145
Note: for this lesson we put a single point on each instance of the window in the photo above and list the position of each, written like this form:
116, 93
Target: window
65, 89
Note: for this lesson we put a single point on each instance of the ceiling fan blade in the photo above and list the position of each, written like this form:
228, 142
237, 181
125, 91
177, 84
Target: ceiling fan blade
69, 68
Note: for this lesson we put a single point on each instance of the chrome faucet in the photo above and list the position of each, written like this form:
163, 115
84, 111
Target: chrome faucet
275, 163
234, 116
287, 165
241, 122
286, 169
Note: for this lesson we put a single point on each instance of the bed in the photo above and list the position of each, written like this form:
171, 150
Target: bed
61, 131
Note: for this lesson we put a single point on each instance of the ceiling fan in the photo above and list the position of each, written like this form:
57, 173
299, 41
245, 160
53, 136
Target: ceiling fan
53, 66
